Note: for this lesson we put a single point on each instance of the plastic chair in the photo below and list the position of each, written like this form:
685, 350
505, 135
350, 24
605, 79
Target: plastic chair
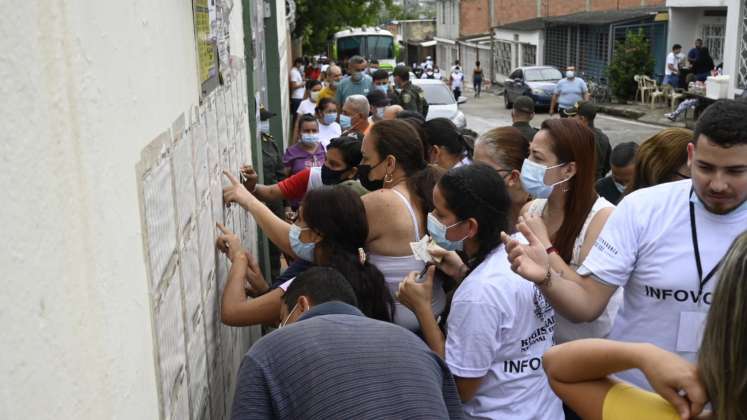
677, 96
639, 90
649, 85
664, 93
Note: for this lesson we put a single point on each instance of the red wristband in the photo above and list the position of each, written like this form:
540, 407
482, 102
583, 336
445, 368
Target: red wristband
552, 249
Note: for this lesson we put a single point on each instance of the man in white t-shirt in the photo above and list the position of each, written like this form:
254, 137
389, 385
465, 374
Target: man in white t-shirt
296, 85
672, 69
662, 244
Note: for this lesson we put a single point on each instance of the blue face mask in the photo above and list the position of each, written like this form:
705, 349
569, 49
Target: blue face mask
383, 88
303, 250
533, 179
438, 230
309, 139
330, 118
345, 122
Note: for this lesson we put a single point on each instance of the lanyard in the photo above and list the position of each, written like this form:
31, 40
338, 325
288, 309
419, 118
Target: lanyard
694, 235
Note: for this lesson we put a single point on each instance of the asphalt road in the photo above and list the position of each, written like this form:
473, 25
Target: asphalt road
488, 112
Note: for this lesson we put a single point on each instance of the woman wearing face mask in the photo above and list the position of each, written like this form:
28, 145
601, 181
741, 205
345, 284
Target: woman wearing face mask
343, 156
504, 149
499, 325
393, 167
326, 114
307, 153
446, 145
308, 105
331, 231
567, 215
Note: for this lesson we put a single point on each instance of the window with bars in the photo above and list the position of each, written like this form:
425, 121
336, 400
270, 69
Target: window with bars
529, 55
502, 57
713, 38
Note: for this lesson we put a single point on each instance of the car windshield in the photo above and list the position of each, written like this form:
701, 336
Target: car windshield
437, 94
539, 75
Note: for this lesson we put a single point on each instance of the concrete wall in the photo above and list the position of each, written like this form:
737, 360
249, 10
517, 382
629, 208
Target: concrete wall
447, 19
85, 86
507, 11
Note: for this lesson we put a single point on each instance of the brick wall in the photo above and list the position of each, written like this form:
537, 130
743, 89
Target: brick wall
508, 11
474, 17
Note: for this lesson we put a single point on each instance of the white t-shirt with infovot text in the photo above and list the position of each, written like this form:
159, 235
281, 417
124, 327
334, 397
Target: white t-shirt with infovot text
498, 328
646, 246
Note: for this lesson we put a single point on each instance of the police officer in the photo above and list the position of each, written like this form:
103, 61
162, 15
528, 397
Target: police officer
408, 96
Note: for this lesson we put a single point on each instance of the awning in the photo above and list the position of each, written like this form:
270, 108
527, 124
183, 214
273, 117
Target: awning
444, 40
431, 43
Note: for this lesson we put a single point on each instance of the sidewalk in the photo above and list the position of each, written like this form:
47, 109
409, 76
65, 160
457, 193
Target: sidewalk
644, 113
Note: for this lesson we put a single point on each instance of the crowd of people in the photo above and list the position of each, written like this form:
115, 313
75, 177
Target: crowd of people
526, 273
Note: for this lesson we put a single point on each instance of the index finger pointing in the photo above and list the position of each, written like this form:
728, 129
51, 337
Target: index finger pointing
231, 178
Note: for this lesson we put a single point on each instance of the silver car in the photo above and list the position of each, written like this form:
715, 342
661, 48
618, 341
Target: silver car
441, 102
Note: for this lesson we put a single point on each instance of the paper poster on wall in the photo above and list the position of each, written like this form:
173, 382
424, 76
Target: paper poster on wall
206, 232
197, 360
190, 270
159, 219
202, 177
184, 179
205, 21
171, 352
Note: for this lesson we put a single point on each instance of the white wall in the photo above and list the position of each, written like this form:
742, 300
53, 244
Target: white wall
85, 86
732, 44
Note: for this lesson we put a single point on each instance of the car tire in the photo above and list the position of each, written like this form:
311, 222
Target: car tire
506, 102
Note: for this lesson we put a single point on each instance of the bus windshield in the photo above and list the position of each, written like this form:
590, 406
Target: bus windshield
369, 46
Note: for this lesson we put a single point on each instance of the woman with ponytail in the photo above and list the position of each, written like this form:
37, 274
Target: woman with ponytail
331, 231
402, 183
446, 145
498, 326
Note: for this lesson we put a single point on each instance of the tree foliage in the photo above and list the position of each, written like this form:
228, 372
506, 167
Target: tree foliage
631, 57
318, 20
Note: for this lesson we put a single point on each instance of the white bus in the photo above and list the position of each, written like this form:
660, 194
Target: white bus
371, 43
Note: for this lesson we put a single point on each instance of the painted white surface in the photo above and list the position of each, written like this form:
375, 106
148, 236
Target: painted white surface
85, 86
732, 43
697, 3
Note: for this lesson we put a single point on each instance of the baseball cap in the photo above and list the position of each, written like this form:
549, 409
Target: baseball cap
524, 104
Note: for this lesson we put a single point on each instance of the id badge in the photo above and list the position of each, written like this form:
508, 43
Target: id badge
690, 332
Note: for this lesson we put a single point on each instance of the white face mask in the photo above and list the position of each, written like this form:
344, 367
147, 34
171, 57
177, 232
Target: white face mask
570, 74
285, 321
620, 187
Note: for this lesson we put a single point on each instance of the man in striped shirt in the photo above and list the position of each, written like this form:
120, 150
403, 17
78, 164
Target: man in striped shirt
328, 361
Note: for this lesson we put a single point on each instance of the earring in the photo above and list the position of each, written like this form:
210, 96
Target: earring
388, 178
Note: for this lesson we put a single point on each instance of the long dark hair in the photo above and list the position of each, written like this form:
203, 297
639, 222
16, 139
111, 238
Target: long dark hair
573, 142
350, 149
338, 215
442, 132
478, 191
399, 139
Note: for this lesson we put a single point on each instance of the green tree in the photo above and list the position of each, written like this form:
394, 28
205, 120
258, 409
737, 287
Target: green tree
318, 20
632, 56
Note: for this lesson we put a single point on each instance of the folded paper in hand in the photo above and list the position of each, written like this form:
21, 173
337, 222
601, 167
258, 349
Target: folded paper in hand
422, 250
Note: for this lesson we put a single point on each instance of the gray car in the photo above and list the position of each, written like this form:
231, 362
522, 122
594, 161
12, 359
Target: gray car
537, 82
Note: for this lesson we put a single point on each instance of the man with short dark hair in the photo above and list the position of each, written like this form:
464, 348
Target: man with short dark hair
407, 95
586, 112
672, 68
663, 245
373, 66
296, 85
381, 83
378, 102
521, 114
622, 165
329, 361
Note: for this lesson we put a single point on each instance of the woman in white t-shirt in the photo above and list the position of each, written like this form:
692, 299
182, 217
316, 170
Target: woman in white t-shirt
308, 105
326, 114
567, 214
499, 325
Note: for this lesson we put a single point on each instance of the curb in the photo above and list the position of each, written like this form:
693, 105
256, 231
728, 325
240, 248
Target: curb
618, 112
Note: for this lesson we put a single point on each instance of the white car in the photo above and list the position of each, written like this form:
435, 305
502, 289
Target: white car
441, 102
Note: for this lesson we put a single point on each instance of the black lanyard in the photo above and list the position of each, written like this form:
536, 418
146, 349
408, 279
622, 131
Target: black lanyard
694, 235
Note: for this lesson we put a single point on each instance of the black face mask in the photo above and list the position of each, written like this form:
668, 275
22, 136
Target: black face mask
331, 177
371, 185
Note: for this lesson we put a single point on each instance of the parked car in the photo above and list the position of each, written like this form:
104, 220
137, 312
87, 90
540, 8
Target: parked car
441, 102
537, 82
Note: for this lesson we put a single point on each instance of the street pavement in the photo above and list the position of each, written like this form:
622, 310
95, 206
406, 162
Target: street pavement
488, 112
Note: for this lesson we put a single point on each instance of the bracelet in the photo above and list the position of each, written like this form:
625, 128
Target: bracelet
547, 280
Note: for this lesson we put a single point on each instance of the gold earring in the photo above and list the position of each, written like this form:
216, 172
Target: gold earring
388, 178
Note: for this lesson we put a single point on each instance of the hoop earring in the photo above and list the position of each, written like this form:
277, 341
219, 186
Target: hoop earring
388, 178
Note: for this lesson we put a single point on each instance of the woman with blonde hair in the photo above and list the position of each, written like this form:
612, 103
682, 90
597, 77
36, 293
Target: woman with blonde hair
578, 371
662, 158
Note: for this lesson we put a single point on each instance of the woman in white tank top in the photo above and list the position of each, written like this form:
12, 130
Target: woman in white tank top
394, 169
567, 215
